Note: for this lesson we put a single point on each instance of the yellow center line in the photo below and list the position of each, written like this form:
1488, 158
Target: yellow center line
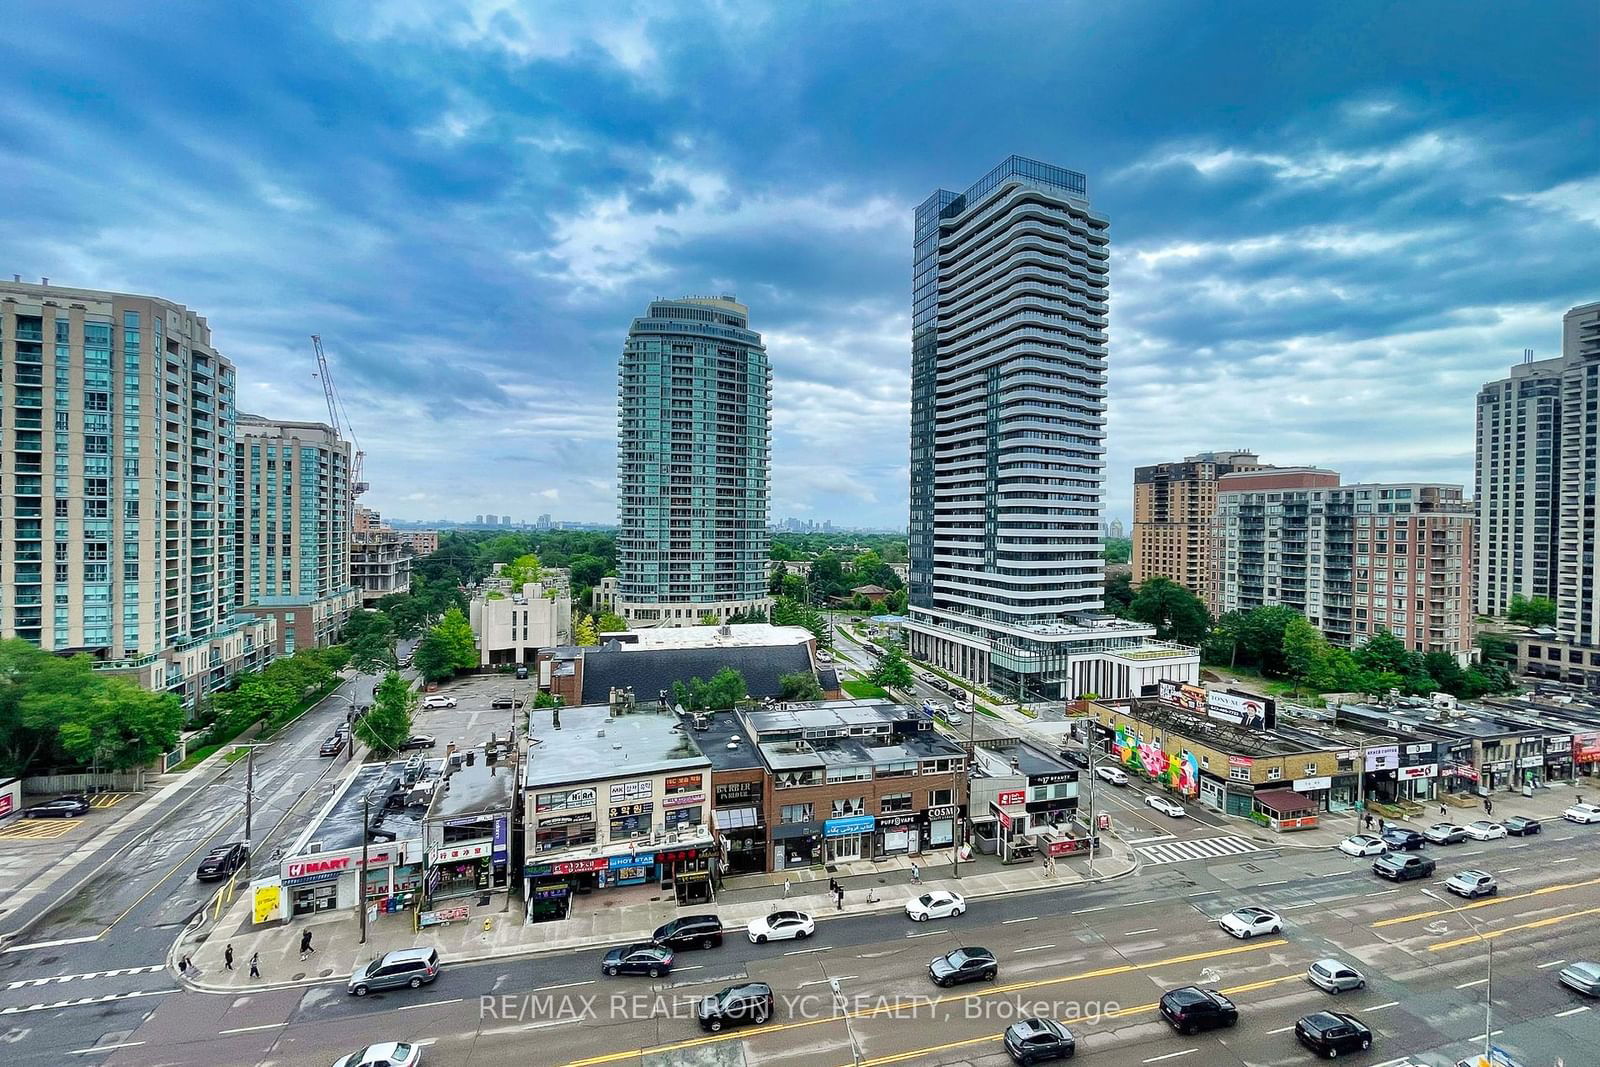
1487, 902
1491, 934
884, 1009
1140, 1009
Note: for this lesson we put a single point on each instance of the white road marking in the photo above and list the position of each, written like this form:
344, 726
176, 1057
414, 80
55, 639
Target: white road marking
1029, 919
428, 1004
925, 933
1385, 1004
692, 967
1264, 885
1201, 849
84, 977
251, 1029
1552, 963
1572, 1011
1171, 1055
1136, 903
1034, 948
1147, 930
103, 1048
1281, 1030
1564, 859
1469, 985
807, 951
1302, 904
536, 1026
1509, 870
567, 985
825, 981
1158, 837
53, 944
87, 1000
1085, 911
1480, 1037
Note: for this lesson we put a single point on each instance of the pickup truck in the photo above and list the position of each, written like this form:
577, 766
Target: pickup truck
1402, 867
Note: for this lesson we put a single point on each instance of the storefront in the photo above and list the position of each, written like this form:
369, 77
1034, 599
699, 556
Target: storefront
1586, 754
1497, 775
1558, 758
687, 871
1315, 791
1013, 832
849, 837
323, 882
1213, 792
796, 845
941, 832
898, 835
460, 871
1417, 782
736, 815
1052, 799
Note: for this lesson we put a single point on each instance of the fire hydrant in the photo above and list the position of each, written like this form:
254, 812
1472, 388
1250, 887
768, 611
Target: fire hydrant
488, 924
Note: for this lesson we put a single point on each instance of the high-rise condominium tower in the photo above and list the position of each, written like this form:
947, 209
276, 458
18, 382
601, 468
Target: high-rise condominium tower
693, 460
1577, 591
117, 534
1008, 385
1172, 506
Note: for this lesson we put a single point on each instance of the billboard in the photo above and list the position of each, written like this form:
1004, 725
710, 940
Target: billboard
1239, 709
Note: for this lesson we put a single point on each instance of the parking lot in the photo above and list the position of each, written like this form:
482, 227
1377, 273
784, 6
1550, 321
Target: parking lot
473, 721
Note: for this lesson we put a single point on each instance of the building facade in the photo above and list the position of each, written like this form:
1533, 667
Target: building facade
693, 463
1577, 595
512, 626
1010, 282
1517, 476
294, 499
1172, 506
119, 423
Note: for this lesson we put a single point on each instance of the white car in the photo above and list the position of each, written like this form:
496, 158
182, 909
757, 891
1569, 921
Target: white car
1164, 806
1363, 845
435, 703
1582, 813
935, 904
781, 926
387, 1054
1484, 830
1111, 774
1248, 922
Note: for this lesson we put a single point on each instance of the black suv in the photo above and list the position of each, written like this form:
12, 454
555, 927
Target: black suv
1333, 1032
737, 1005
1191, 1009
222, 861
1399, 839
1032, 1040
690, 931
1402, 868
505, 702
963, 965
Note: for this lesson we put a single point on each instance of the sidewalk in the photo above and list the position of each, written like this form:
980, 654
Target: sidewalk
490, 932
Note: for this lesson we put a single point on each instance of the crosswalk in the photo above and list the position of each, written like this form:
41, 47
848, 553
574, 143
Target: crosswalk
38, 829
108, 800
1205, 848
57, 979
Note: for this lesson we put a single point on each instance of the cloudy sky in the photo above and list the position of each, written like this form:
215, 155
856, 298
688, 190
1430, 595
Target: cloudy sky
1331, 221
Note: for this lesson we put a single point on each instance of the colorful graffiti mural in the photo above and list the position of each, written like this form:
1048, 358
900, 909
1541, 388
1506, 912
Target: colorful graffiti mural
1180, 774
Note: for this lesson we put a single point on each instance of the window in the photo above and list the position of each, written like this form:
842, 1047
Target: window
849, 806
678, 817
940, 798
796, 813
1239, 774
894, 802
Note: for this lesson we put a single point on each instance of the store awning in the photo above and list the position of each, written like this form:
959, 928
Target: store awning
735, 818
1284, 801
789, 830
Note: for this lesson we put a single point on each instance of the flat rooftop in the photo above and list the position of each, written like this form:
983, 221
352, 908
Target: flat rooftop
1463, 722
739, 635
591, 745
994, 759
483, 788
714, 743
340, 826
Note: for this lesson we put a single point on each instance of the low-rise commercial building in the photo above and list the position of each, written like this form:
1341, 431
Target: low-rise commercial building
739, 813
1024, 801
511, 627
467, 831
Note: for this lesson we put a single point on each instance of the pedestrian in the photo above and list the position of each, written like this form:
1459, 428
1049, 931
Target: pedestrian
1488, 805
1369, 820
183, 966
839, 898
786, 889
833, 886
227, 958
1443, 810
1381, 824
916, 873
255, 965
305, 945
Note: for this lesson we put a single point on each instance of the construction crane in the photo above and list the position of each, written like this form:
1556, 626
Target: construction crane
338, 418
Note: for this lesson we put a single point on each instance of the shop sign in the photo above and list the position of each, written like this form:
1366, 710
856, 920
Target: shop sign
553, 891
1181, 695
1421, 770
1415, 750
1005, 820
1383, 758
632, 859
732, 794
1531, 761
1586, 748
691, 876
1012, 798
444, 915
942, 811
571, 798
1558, 744
1066, 846
303, 868
1053, 779
1311, 785
626, 811
897, 820
849, 824
683, 801
625, 791
502, 840
680, 782
267, 902
584, 866
460, 852
1241, 761
1461, 770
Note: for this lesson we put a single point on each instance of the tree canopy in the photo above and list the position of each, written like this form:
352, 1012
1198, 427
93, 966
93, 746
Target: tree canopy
892, 671
725, 689
1177, 614
387, 725
799, 685
1532, 611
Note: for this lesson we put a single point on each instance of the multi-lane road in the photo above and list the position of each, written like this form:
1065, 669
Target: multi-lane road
1098, 958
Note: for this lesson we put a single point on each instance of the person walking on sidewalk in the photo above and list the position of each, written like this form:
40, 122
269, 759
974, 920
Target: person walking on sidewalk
1369, 820
255, 965
184, 965
916, 873
786, 889
305, 945
833, 886
839, 898
227, 958
1488, 805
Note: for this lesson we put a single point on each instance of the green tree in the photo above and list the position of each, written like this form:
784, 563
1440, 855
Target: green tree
587, 570
1383, 652
1118, 549
609, 622
432, 658
794, 587
583, 632
371, 653
775, 579
456, 632
387, 726
122, 726
789, 612
1305, 650
1177, 614
725, 689
362, 623
1261, 638
895, 603
799, 685
892, 671
780, 551
1119, 593
1532, 611
1497, 649
522, 570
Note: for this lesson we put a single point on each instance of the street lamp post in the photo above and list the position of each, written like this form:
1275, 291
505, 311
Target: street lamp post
361, 876
842, 1006
1488, 978
249, 797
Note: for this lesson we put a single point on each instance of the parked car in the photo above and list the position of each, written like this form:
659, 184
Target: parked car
963, 965
647, 958
781, 926
1582, 813
332, 746
1334, 976
1400, 839
935, 904
522, 671
60, 808
1484, 830
1363, 845
1166, 807
1077, 757
736, 1005
1445, 833
1522, 826
414, 967
386, 1054
1031, 1040
437, 703
222, 861
1333, 1032
1582, 976
1398, 868
418, 741
954, 718
1190, 1009
1111, 774
1471, 884
501, 703
1248, 922
690, 931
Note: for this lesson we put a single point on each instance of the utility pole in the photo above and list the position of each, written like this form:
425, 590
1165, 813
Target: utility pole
1361, 784
361, 876
955, 845
249, 796
1088, 748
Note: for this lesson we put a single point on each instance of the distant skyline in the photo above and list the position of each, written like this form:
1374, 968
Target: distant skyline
1330, 224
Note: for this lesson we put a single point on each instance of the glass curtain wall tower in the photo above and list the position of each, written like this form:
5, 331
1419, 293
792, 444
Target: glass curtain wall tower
693, 460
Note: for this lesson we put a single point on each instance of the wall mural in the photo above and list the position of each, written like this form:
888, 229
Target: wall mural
1181, 774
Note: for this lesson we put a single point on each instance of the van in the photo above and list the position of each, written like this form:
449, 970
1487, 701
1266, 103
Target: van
522, 670
413, 967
